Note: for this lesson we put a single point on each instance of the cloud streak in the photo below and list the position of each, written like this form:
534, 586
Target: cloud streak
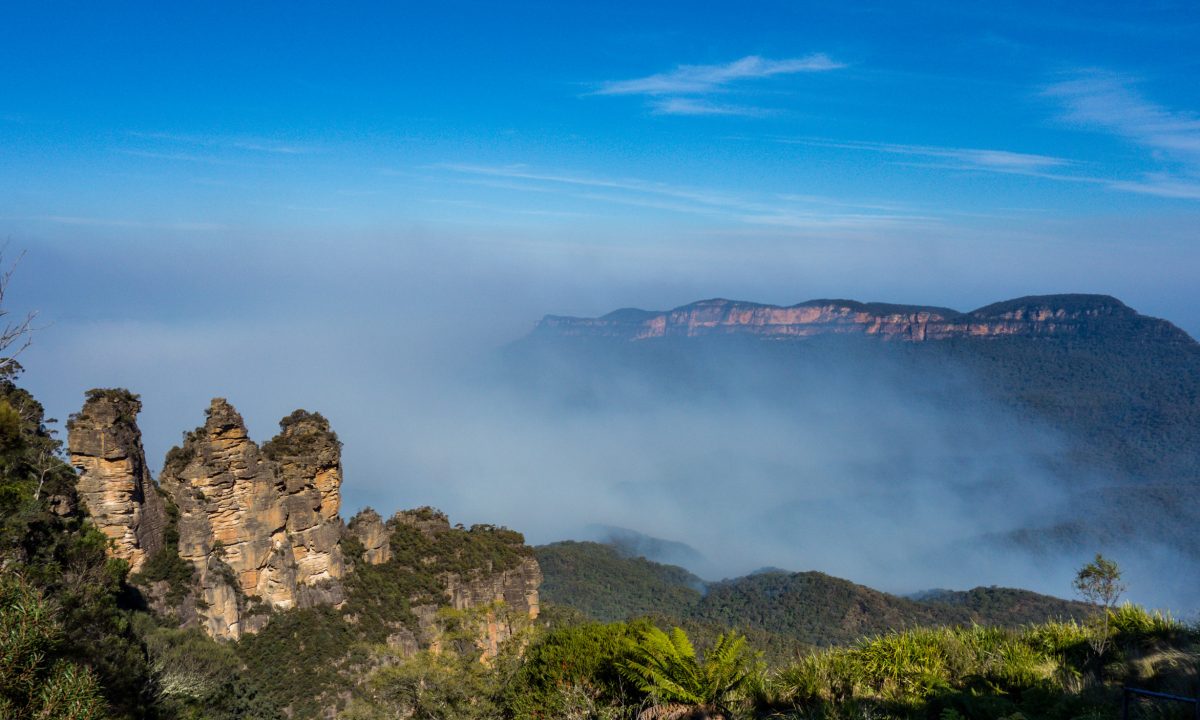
1108, 102
694, 106
781, 210
704, 79
682, 91
1003, 161
251, 144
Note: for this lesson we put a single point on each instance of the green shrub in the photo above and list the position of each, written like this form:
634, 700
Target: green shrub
35, 680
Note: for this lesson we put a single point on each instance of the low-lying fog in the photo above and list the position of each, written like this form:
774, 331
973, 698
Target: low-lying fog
846, 463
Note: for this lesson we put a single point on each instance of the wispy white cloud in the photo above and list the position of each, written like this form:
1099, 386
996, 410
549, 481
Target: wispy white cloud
683, 91
1161, 185
1108, 102
1047, 167
180, 157
703, 79
1004, 161
797, 212
697, 106
252, 144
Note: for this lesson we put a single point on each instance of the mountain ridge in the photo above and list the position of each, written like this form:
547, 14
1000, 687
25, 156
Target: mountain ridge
813, 608
1068, 314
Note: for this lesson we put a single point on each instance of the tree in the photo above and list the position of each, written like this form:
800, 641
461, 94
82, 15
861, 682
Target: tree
13, 334
666, 668
35, 681
1099, 583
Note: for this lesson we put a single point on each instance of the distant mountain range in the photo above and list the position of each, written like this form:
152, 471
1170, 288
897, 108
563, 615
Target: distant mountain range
1118, 391
1058, 316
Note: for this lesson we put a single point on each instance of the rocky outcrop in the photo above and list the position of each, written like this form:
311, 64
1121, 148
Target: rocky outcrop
258, 526
105, 446
1034, 316
237, 531
367, 527
507, 597
428, 521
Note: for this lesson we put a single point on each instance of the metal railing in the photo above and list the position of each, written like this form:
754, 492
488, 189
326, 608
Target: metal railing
1128, 693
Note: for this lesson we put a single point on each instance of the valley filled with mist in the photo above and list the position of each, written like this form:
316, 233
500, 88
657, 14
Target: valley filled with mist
613, 361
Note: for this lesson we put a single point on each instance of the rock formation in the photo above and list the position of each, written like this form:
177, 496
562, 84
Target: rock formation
502, 598
1036, 316
368, 528
507, 596
105, 446
258, 528
258, 525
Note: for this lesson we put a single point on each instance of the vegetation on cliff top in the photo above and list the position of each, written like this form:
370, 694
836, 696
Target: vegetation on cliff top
299, 433
331, 648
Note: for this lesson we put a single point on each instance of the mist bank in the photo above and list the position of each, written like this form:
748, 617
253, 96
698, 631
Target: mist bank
891, 469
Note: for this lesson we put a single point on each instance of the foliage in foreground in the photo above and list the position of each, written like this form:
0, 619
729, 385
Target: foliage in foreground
35, 680
1042, 671
666, 668
626, 670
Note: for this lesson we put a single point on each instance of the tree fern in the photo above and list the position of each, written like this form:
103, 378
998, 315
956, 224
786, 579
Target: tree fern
666, 668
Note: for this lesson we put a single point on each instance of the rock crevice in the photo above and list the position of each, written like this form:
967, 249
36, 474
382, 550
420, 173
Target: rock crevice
269, 515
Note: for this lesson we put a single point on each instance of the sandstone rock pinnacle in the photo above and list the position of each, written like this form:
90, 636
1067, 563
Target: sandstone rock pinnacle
105, 445
258, 525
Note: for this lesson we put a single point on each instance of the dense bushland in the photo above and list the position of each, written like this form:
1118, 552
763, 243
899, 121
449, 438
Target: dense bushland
622, 669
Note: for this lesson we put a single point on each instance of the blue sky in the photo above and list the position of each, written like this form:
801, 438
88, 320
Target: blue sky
221, 119
234, 198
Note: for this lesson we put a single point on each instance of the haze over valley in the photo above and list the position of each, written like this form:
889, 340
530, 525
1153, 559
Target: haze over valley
610, 361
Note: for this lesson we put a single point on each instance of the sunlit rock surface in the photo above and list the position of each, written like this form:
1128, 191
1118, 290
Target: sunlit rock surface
1034, 316
368, 527
114, 486
265, 528
260, 526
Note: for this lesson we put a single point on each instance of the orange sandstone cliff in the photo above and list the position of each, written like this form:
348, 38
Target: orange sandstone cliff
1033, 316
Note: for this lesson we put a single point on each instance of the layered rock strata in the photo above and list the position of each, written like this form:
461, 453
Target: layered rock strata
507, 597
258, 526
1034, 316
261, 531
367, 527
114, 484
504, 598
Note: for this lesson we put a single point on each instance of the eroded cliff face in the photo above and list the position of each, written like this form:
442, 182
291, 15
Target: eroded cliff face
495, 601
114, 485
257, 528
367, 527
507, 598
1035, 316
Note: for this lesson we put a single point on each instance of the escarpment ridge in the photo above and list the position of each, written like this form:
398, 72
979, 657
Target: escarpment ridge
234, 532
1070, 315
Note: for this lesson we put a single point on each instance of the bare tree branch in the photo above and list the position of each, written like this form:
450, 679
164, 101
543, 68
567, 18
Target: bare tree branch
19, 333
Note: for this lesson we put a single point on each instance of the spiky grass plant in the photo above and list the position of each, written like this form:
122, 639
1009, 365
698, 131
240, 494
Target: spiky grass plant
905, 666
1136, 622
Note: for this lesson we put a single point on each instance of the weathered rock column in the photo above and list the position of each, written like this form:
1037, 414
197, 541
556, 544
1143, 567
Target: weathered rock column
258, 525
114, 485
